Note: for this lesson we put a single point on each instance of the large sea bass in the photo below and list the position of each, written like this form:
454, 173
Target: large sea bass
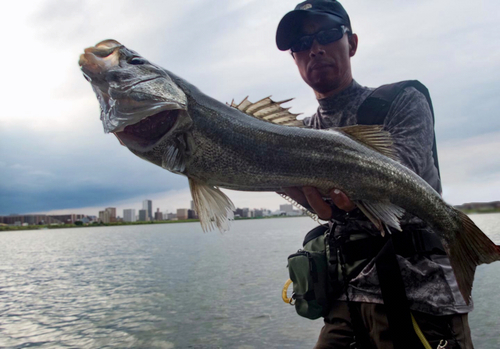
169, 122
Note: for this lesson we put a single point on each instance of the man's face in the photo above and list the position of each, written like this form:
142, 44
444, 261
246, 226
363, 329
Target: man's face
326, 68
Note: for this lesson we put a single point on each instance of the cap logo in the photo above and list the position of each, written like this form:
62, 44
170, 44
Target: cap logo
306, 7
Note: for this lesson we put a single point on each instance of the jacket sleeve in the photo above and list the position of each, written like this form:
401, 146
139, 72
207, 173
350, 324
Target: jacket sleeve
410, 123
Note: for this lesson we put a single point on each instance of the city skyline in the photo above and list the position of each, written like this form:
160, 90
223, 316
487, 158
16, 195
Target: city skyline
171, 200
110, 215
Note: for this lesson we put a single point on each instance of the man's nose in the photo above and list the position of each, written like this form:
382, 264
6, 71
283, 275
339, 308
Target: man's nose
316, 49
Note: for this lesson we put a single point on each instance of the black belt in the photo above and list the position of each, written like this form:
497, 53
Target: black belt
408, 243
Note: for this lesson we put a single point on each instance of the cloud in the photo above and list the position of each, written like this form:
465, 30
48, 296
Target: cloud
470, 168
50, 124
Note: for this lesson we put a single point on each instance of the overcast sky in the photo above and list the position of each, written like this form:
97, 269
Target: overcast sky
54, 156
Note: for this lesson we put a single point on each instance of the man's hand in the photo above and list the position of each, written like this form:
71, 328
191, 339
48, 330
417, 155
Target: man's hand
310, 197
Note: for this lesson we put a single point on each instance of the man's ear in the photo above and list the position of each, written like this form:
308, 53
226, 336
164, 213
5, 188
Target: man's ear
353, 44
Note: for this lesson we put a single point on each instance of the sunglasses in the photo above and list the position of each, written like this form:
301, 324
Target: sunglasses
323, 37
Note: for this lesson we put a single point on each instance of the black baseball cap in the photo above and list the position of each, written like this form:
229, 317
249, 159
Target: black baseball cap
290, 25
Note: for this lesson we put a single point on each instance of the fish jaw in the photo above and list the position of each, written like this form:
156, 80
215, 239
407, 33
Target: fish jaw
134, 95
100, 58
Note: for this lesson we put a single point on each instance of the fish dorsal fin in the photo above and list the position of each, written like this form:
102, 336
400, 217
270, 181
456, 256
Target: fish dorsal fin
268, 110
214, 208
372, 136
382, 214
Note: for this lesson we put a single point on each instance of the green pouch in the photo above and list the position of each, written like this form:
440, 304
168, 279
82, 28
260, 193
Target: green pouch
308, 270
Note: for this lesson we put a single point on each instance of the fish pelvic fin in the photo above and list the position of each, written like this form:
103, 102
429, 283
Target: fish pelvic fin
372, 136
470, 248
214, 208
268, 110
381, 214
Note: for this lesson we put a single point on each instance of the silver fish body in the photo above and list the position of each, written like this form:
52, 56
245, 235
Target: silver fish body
169, 122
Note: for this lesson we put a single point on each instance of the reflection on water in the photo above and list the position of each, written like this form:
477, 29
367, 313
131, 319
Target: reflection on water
172, 286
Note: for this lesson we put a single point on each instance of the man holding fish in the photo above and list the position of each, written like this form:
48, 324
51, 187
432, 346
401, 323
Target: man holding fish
319, 36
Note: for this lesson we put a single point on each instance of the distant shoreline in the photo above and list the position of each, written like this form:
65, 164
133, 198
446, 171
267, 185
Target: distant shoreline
64, 226
481, 211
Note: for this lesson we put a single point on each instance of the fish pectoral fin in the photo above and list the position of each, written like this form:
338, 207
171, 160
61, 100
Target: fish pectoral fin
214, 208
372, 136
382, 214
268, 110
173, 159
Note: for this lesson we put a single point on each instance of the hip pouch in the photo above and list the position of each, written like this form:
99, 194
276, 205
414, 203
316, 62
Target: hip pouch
308, 270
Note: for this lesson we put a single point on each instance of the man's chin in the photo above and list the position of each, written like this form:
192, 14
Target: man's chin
320, 80
328, 85
324, 87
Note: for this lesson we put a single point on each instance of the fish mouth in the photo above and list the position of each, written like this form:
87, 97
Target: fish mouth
149, 131
99, 58
140, 103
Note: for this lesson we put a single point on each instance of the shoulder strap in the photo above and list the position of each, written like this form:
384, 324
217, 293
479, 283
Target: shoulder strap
375, 107
397, 306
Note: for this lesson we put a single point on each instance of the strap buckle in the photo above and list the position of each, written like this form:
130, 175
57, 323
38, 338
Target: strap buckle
443, 343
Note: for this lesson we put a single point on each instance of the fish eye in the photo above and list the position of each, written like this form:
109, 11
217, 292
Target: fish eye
136, 61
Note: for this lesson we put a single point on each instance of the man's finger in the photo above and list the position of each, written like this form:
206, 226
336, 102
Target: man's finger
341, 200
313, 196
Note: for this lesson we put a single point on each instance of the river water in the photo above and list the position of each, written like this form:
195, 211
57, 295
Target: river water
173, 286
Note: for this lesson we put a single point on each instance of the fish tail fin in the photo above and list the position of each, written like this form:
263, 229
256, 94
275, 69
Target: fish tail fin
470, 248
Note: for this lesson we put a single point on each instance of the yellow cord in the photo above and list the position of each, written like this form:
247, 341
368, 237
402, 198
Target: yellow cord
284, 292
419, 333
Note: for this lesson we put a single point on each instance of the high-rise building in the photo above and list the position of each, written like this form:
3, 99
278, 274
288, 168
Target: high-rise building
129, 215
104, 216
258, 213
245, 212
182, 213
143, 216
158, 215
286, 208
192, 205
148, 206
112, 213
